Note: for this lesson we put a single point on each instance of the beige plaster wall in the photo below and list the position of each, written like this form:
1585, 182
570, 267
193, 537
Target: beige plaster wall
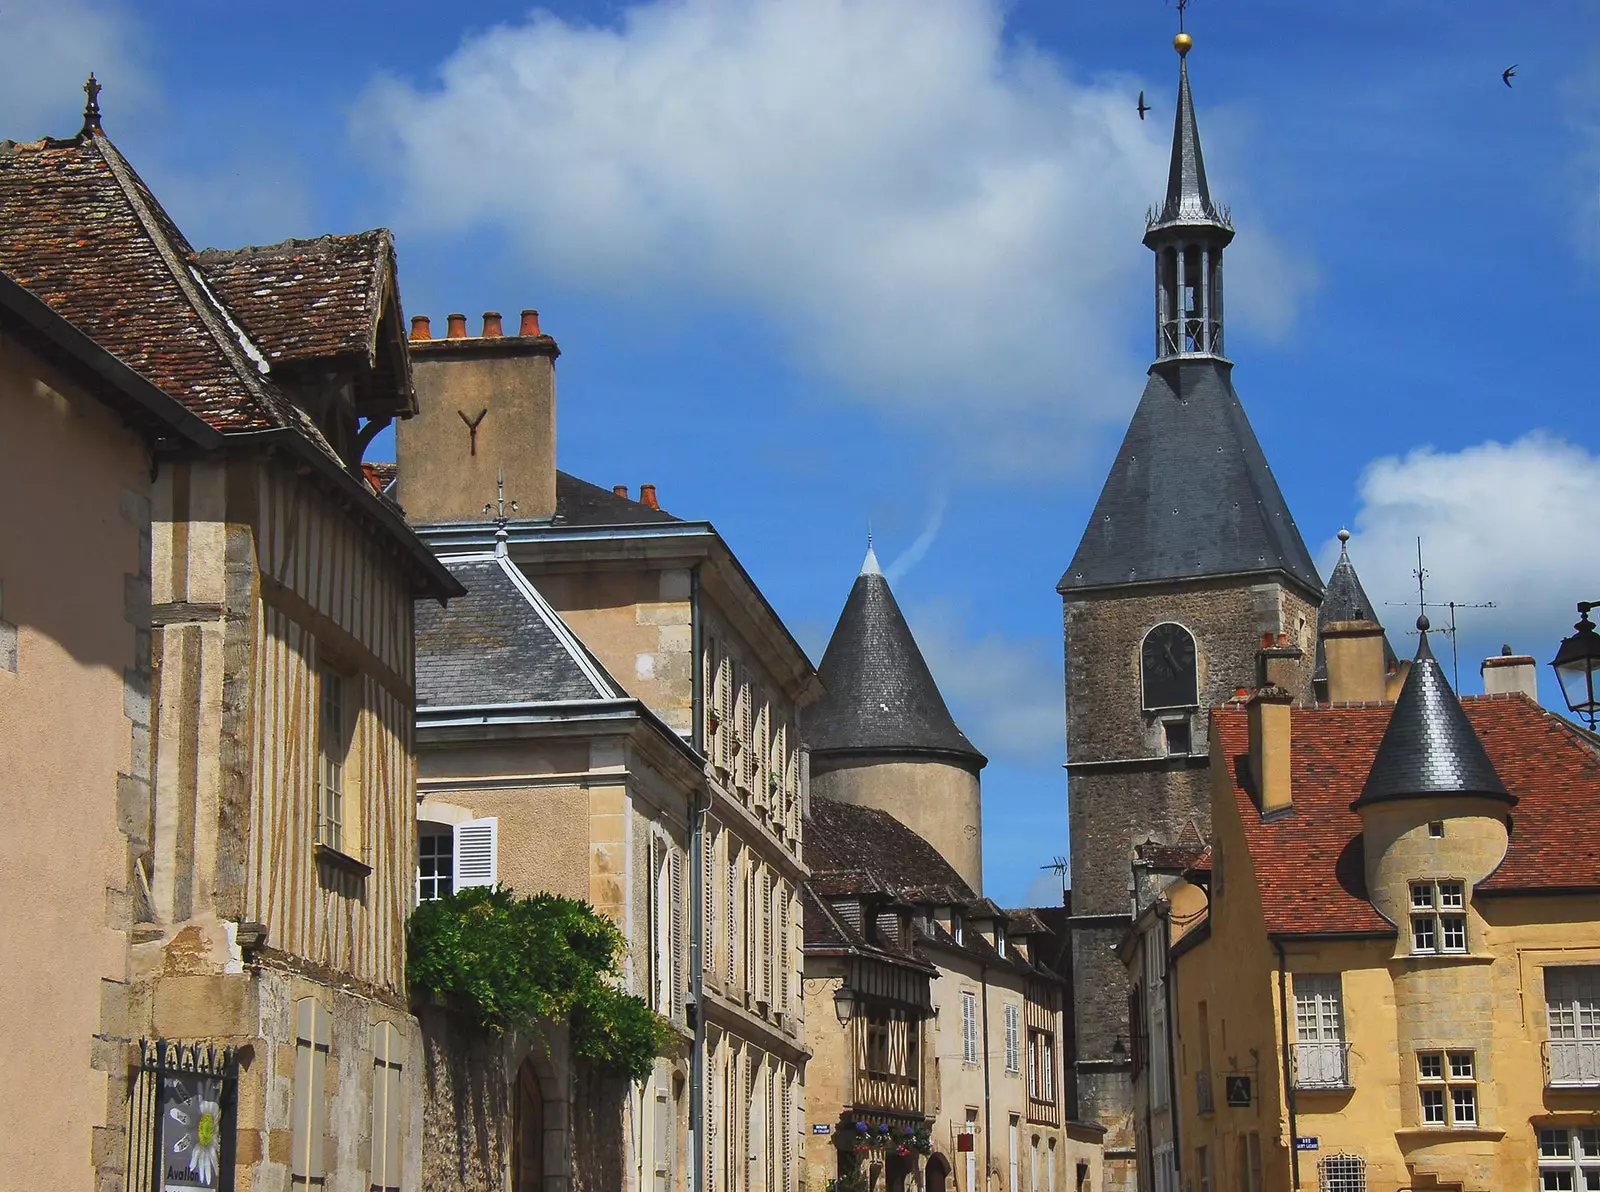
73, 483
939, 802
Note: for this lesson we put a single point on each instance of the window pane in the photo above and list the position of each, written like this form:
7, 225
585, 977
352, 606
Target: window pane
1464, 1106
1430, 1065
1422, 897
1433, 1106
1454, 928
1555, 1181
1451, 896
1422, 934
1589, 1141
1461, 1065
1553, 1144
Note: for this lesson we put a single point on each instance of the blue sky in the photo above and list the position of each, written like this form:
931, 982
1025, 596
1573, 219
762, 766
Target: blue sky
820, 263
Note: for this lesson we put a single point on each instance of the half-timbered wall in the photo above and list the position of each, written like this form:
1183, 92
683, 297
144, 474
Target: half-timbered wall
327, 593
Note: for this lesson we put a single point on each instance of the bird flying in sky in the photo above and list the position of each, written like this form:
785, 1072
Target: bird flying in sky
1143, 107
1508, 74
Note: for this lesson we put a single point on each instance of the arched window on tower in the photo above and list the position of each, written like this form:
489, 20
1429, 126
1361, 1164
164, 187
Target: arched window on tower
1168, 674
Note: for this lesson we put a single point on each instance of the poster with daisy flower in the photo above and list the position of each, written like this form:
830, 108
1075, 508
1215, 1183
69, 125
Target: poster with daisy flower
191, 1133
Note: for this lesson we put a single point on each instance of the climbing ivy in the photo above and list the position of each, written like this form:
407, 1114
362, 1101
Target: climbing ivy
510, 962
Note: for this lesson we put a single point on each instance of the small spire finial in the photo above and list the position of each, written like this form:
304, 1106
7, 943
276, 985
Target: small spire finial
498, 508
91, 107
1344, 535
869, 565
1182, 42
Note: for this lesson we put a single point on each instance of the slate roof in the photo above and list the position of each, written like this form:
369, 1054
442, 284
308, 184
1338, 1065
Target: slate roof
1344, 599
81, 230
501, 643
1190, 493
878, 694
867, 851
1428, 746
1310, 864
579, 503
305, 299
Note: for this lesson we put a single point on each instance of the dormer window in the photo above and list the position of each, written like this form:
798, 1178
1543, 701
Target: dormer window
958, 925
999, 939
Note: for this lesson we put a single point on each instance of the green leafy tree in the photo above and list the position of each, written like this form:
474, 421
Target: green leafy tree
511, 962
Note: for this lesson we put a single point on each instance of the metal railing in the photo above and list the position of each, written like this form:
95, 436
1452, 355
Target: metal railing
1572, 1063
1321, 1064
1204, 1094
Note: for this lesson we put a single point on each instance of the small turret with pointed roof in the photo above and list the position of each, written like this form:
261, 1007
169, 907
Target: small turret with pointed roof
881, 735
1344, 600
1429, 747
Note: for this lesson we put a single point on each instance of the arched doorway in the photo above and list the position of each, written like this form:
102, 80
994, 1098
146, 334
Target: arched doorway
938, 1173
527, 1131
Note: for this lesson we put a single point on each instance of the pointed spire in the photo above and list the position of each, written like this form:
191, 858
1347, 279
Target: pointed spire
1344, 599
1188, 199
1429, 747
869, 565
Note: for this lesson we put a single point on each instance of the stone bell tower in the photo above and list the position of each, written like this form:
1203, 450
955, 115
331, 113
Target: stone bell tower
1190, 566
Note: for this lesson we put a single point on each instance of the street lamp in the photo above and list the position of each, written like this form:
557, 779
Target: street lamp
1577, 661
844, 1004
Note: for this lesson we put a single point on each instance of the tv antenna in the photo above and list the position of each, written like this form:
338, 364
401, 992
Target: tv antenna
1424, 604
1062, 868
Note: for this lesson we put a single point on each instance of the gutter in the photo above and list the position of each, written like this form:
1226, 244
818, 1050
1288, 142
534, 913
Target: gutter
699, 806
1168, 989
1288, 1081
542, 712
988, 1100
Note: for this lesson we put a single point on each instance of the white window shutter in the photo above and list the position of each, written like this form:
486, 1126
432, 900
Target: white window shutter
477, 853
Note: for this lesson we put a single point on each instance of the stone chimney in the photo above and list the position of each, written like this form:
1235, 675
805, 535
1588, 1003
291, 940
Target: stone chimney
486, 404
1269, 708
1357, 670
1510, 672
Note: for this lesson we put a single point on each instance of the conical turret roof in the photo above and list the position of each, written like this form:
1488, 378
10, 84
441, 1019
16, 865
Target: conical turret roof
879, 695
1429, 747
1344, 599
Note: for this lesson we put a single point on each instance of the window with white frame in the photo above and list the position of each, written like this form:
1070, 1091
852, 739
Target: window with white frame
1447, 1083
1572, 1001
1438, 917
1013, 1018
1342, 1173
1319, 1051
436, 852
1569, 1160
1165, 1180
969, 1026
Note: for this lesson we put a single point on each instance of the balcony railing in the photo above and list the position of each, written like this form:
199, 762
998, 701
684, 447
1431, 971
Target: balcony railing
1572, 1063
881, 1091
1323, 1064
1203, 1093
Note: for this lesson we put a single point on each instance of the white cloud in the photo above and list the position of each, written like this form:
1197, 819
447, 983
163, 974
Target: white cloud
1498, 521
932, 216
46, 53
1005, 693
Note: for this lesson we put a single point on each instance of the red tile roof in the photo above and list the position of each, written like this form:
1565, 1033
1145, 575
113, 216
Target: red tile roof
307, 299
1310, 864
79, 229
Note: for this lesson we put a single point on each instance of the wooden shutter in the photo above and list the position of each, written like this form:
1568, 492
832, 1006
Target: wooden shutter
477, 853
313, 1029
969, 1027
1012, 1048
708, 900
766, 936
675, 941
386, 1105
733, 914
664, 1132
785, 948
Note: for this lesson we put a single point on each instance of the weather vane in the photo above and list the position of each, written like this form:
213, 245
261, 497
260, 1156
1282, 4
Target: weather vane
1182, 4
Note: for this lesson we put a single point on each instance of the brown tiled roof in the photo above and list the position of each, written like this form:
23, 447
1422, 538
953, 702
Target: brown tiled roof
307, 299
79, 229
863, 850
1310, 863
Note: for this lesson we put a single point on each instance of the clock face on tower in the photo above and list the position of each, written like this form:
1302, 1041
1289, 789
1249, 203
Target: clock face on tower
1167, 664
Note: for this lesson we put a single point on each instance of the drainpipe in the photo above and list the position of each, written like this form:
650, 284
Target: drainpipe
1288, 1081
1169, 979
988, 1134
698, 807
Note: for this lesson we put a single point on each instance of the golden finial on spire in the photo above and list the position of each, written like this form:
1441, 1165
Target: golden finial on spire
1182, 42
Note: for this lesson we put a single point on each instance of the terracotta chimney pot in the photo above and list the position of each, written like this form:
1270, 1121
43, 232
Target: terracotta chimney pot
620, 490
456, 326
1283, 640
1241, 693
419, 327
647, 496
491, 325
530, 323
1266, 641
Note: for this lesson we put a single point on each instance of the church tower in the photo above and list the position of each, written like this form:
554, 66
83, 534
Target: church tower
881, 735
1189, 569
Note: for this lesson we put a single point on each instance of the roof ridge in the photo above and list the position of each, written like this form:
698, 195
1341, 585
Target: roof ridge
604, 684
